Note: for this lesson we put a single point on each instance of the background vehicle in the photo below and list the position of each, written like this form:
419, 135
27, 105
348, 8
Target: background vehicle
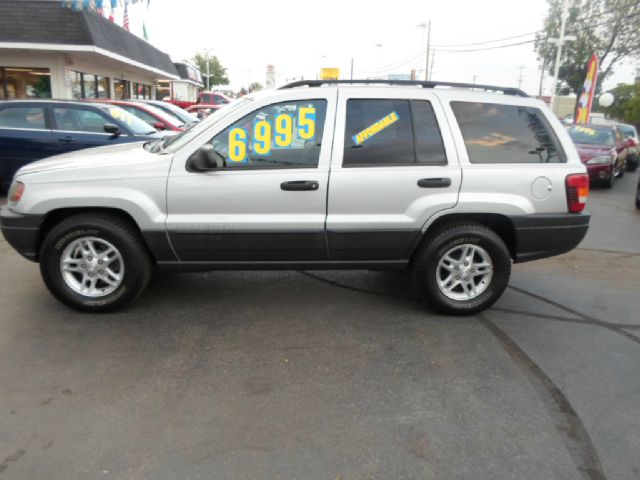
201, 111
36, 129
638, 194
602, 149
153, 116
180, 114
355, 177
213, 98
630, 135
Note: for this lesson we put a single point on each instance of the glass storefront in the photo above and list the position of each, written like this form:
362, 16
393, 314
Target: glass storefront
120, 89
142, 91
25, 82
87, 85
163, 89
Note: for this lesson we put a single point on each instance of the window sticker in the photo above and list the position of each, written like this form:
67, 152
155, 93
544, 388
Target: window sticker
375, 128
122, 115
586, 130
284, 131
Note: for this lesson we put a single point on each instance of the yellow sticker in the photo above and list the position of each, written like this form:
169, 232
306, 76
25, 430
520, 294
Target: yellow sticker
586, 130
375, 128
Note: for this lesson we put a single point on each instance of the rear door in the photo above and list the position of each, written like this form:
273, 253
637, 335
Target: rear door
268, 202
76, 128
393, 166
24, 137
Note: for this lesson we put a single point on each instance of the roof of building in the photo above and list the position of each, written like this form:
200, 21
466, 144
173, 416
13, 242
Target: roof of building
48, 22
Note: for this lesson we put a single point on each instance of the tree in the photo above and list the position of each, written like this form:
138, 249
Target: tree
626, 106
254, 87
217, 73
608, 28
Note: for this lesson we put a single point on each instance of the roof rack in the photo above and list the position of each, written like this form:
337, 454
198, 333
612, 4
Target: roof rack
415, 83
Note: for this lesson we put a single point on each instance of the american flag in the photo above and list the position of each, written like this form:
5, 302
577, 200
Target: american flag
99, 8
125, 20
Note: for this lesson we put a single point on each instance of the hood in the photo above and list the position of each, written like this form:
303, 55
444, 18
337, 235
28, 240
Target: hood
110, 155
588, 152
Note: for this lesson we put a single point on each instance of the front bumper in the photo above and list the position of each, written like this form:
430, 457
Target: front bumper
598, 173
546, 235
21, 232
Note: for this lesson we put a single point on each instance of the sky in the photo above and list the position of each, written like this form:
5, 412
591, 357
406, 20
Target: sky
382, 38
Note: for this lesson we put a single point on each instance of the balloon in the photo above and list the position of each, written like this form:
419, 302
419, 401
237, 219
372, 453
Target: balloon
606, 100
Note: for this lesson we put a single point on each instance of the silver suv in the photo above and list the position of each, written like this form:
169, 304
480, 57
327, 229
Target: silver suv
450, 182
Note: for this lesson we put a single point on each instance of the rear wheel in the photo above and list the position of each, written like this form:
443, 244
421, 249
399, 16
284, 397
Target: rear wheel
95, 263
462, 269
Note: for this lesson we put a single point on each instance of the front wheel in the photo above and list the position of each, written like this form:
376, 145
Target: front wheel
462, 269
95, 263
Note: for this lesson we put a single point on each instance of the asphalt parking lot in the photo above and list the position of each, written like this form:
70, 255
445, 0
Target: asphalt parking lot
332, 375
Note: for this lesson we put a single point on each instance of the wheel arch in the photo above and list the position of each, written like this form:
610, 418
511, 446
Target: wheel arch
499, 223
54, 217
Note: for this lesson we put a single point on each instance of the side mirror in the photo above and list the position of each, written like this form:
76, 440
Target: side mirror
159, 126
112, 129
205, 159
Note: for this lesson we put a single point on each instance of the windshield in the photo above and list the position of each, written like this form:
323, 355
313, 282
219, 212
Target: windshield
628, 131
592, 135
176, 111
133, 123
176, 141
166, 117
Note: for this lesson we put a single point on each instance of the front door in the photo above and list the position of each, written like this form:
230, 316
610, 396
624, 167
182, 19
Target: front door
268, 202
394, 165
76, 128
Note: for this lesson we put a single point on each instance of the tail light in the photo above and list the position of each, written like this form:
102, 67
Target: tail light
577, 191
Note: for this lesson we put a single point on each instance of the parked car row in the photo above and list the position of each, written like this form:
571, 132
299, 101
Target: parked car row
35, 129
606, 150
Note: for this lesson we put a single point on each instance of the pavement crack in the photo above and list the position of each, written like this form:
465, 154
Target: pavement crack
9, 459
567, 421
356, 289
583, 318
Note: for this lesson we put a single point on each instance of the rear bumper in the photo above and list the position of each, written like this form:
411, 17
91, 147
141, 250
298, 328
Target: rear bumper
546, 235
21, 232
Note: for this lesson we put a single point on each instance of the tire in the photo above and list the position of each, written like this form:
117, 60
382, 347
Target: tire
426, 269
632, 163
608, 183
129, 266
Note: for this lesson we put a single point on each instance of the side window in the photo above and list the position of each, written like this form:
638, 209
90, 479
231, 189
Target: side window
496, 133
378, 132
22, 117
429, 146
282, 135
78, 120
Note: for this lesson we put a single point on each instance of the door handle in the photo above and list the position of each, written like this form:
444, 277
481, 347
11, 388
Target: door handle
66, 139
434, 182
298, 185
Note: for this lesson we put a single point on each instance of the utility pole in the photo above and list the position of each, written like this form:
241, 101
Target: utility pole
474, 79
433, 57
427, 27
426, 66
542, 69
521, 68
351, 77
559, 42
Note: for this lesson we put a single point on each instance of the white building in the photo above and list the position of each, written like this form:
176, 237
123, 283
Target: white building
47, 50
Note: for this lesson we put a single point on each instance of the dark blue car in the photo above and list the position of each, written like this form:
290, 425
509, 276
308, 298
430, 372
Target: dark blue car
34, 129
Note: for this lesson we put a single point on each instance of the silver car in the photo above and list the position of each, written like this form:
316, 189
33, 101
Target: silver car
444, 180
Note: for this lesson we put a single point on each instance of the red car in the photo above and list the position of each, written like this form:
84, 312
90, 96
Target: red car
213, 98
149, 114
602, 149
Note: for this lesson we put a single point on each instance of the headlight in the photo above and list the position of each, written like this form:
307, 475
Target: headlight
15, 192
599, 160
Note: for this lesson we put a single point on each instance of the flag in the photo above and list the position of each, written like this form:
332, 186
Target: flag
144, 22
100, 8
125, 20
112, 18
583, 111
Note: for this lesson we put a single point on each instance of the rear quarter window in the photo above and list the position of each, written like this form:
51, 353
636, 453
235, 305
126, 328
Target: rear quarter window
496, 133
